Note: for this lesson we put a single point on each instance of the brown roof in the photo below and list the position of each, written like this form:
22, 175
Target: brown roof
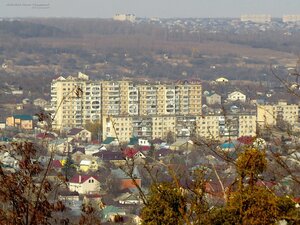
75, 131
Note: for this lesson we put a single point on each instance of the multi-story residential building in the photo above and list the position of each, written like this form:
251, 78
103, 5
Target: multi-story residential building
77, 100
142, 126
291, 18
115, 98
247, 125
271, 115
148, 100
208, 126
265, 116
120, 127
224, 127
188, 98
216, 127
124, 17
162, 125
256, 18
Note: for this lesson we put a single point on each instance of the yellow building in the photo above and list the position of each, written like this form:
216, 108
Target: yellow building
119, 127
87, 165
162, 126
266, 116
76, 100
247, 125
148, 99
291, 18
213, 127
20, 121
256, 18
270, 115
208, 127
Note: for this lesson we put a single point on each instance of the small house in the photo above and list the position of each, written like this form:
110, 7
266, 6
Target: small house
79, 135
84, 184
213, 98
236, 96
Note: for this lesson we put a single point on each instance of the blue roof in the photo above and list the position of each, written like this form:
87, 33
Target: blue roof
23, 117
227, 145
5, 139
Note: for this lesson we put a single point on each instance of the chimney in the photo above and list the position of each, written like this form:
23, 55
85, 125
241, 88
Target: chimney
80, 179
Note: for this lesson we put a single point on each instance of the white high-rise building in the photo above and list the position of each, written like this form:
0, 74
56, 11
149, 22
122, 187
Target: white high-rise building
291, 18
256, 18
124, 17
77, 100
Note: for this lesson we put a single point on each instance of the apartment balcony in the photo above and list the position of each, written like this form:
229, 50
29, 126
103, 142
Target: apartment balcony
133, 98
170, 96
114, 98
115, 93
151, 103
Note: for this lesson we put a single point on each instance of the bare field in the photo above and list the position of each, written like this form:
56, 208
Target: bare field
147, 44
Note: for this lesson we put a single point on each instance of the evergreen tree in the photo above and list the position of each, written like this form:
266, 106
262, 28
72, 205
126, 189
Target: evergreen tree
69, 167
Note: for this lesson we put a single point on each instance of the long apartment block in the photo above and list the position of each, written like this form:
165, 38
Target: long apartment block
215, 127
270, 115
77, 100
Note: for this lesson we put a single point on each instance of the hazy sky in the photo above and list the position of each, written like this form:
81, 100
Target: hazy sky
146, 8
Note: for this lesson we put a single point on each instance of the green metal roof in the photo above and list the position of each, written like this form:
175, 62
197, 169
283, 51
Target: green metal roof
133, 141
108, 140
23, 117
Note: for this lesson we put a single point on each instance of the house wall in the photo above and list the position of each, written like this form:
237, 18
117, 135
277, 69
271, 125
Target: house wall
26, 124
10, 121
23, 124
213, 99
84, 135
237, 96
89, 186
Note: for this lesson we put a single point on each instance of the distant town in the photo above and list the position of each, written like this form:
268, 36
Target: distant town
101, 124
154, 96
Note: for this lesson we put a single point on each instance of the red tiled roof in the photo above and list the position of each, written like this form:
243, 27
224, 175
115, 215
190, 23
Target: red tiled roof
76, 178
297, 199
130, 152
247, 140
56, 164
144, 148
